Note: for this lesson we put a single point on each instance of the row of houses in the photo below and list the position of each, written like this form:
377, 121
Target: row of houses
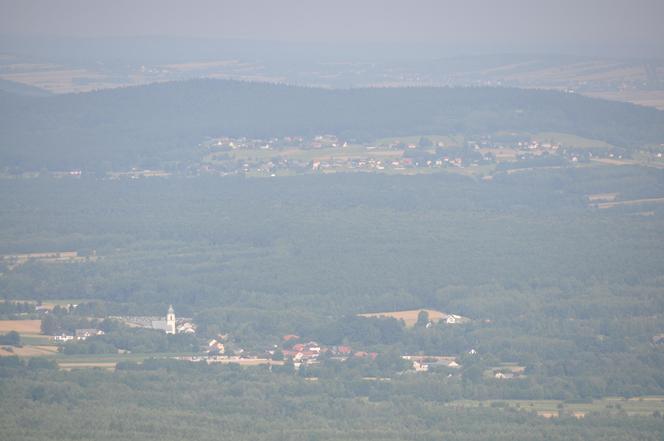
79, 335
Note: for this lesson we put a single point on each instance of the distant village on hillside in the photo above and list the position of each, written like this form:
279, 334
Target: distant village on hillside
285, 156
293, 349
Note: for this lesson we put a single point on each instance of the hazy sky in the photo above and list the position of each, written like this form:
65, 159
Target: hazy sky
624, 27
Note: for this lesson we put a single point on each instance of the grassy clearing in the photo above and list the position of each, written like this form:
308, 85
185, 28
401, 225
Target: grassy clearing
567, 140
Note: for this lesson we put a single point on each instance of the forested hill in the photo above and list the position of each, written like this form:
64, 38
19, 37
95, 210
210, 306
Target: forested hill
160, 122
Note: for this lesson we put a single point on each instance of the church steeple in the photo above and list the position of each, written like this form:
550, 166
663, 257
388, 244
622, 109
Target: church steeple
170, 320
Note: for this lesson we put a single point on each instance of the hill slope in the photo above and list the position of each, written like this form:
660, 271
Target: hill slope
22, 89
148, 124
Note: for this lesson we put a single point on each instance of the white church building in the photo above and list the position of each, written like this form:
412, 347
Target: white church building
168, 325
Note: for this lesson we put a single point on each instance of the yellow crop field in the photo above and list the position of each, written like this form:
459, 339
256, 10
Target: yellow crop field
23, 327
30, 351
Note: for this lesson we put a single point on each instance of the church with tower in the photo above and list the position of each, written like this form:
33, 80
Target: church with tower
170, 320
168, 325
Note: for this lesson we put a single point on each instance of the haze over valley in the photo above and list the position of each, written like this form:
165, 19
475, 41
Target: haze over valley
349, 221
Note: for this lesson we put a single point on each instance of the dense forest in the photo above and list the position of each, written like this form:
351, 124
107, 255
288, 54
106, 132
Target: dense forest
175, 400
332, 221
571, 292
161, 124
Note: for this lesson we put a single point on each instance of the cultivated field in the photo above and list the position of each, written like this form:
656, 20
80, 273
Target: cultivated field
34, 344
23, 327
29, 351
67, 366
604, 205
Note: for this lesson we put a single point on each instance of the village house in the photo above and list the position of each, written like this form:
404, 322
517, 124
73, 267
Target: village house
215, 346
423, 363
290, 337
420, 367
342, 350
186, 328
306, 353
84, 334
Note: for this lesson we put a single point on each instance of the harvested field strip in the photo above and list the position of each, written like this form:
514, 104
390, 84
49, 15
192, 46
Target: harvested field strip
30, 351
606, 197
604, 205
103, 365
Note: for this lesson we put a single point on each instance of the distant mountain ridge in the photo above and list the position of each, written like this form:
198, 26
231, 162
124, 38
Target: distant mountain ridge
165, 121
